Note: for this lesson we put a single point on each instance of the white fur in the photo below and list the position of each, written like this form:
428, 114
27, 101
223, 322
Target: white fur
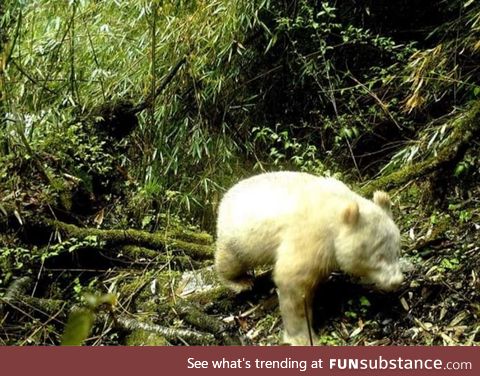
306, 226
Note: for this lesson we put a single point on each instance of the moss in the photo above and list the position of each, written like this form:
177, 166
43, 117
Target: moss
192, 314
264, 325
199, 251
66, 200
158, 240
191, 236
136, 252
140, 337
326, 339
177, 262
51, 306
140, 286
223, 298
464, 128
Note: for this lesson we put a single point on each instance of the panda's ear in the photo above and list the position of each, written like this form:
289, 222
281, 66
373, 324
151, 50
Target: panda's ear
351, 213
382, 199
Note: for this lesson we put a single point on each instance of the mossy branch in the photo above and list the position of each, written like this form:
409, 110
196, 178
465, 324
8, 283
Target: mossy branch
196, 247
190, 336
192, 314
17, 299
465, 128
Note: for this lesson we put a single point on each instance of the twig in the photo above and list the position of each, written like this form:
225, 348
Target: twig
374, 96
308, 321
166, 332
43, 325
168, 78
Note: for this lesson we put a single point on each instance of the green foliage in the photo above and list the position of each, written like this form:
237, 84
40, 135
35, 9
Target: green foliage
467, 165
327, 78
287, 152
450, 264
329, 340
83, 151
19, 260
357, 308
15, 261
441, 74
264, 83
429, 141
364, 302
80, 321
79, 325
463, 215
79, 55
435, 73
12, 260
73, 244
351, 314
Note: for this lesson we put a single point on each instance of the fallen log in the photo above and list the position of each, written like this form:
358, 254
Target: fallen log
196, 246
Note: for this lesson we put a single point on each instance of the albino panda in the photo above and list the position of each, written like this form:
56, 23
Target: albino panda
306, 227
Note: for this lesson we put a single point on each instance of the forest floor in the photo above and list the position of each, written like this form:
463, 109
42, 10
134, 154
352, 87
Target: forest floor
167, 293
